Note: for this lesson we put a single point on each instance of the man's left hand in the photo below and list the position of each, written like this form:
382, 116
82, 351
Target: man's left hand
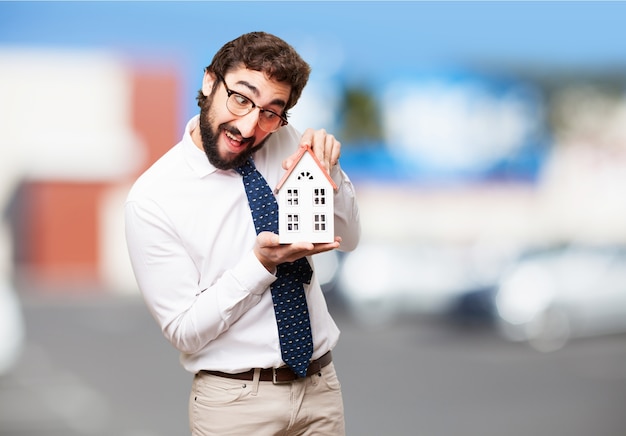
325, 146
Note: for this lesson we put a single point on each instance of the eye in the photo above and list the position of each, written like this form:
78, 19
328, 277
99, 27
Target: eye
269, 115
241, 100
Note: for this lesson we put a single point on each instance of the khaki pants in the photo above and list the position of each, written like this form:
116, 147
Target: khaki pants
312, 406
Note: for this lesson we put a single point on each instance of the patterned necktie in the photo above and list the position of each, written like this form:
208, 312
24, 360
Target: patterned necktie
290, 307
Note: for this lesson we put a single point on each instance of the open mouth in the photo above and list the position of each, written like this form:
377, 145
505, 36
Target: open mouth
235, 142
232, 140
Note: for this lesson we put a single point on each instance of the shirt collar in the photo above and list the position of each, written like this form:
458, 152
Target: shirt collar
195, 157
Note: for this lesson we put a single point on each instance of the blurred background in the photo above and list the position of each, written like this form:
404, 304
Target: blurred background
487, 145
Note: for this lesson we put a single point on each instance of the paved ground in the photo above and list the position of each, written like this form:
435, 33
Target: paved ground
100, 367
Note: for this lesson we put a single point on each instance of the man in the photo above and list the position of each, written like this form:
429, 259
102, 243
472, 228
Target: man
206, 275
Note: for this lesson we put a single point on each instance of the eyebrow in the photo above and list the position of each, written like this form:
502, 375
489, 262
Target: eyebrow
277, 102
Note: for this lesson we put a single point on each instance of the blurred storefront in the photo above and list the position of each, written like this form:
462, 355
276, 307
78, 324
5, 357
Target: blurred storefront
77, 127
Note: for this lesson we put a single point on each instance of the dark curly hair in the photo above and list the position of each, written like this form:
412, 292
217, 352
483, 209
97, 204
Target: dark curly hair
260, 51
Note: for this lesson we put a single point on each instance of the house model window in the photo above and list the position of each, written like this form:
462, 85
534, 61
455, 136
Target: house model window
305, 201
319, 223
292, 223
292, 197
319, 196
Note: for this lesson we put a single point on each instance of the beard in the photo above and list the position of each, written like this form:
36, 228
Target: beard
210, 136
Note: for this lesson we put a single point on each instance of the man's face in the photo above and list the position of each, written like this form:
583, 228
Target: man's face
228, 140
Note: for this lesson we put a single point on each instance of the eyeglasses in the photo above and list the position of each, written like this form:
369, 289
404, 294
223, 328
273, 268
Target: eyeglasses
240, 105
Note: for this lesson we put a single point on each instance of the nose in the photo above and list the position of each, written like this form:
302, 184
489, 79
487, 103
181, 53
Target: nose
248, 123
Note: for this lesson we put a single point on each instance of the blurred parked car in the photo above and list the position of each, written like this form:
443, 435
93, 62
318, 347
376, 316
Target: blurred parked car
552, 296
380, 282
11, 328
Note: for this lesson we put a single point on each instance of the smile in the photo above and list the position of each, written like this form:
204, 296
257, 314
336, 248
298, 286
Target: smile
234, 142
231, 136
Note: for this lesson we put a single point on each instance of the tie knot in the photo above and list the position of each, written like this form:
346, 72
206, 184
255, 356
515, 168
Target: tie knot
247, 168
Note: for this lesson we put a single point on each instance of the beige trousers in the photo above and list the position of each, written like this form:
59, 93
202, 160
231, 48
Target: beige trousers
312, 406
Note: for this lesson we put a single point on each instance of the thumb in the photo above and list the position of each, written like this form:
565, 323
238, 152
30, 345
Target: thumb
268, 239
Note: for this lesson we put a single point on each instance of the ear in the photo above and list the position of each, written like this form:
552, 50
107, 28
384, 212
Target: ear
207, 83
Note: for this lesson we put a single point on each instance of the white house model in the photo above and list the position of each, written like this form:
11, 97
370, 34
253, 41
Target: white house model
305, 201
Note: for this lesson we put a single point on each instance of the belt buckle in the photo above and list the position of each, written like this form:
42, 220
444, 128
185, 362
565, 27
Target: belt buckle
275, 378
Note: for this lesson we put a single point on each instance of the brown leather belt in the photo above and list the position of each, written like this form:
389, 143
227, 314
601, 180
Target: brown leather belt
283, 374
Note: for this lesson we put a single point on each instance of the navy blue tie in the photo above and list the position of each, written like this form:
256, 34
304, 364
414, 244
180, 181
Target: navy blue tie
290, 307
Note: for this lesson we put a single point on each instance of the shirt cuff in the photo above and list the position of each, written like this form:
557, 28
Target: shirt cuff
252, 275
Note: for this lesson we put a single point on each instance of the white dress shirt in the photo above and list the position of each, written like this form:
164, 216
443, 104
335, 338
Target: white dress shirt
190, 236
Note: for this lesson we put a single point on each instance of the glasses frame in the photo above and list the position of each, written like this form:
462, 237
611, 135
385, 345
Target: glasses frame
230, 92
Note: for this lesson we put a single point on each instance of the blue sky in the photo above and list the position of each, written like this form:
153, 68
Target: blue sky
377, 36
366, 40
369, 41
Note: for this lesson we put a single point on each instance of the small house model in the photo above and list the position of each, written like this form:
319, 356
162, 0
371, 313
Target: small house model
305, 201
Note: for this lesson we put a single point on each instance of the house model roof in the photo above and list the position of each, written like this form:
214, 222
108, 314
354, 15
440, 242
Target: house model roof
301, 151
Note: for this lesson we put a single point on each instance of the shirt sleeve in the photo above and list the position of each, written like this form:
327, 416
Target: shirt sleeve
347, 217
189, 316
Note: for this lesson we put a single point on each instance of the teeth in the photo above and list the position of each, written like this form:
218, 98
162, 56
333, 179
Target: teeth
227, 133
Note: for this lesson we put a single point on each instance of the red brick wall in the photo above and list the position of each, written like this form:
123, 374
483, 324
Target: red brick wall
58, 233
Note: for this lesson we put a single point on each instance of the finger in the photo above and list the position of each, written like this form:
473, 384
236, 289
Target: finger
299, 249
329, 245
334, 152
326, 150
321, 248
308, 137
287, 163
317, 140
322, 147
268, 240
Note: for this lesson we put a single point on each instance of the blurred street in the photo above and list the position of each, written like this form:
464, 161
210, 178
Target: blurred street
99, 366
489, 163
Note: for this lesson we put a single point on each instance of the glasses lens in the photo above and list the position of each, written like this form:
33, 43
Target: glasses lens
238, 104
269, 121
